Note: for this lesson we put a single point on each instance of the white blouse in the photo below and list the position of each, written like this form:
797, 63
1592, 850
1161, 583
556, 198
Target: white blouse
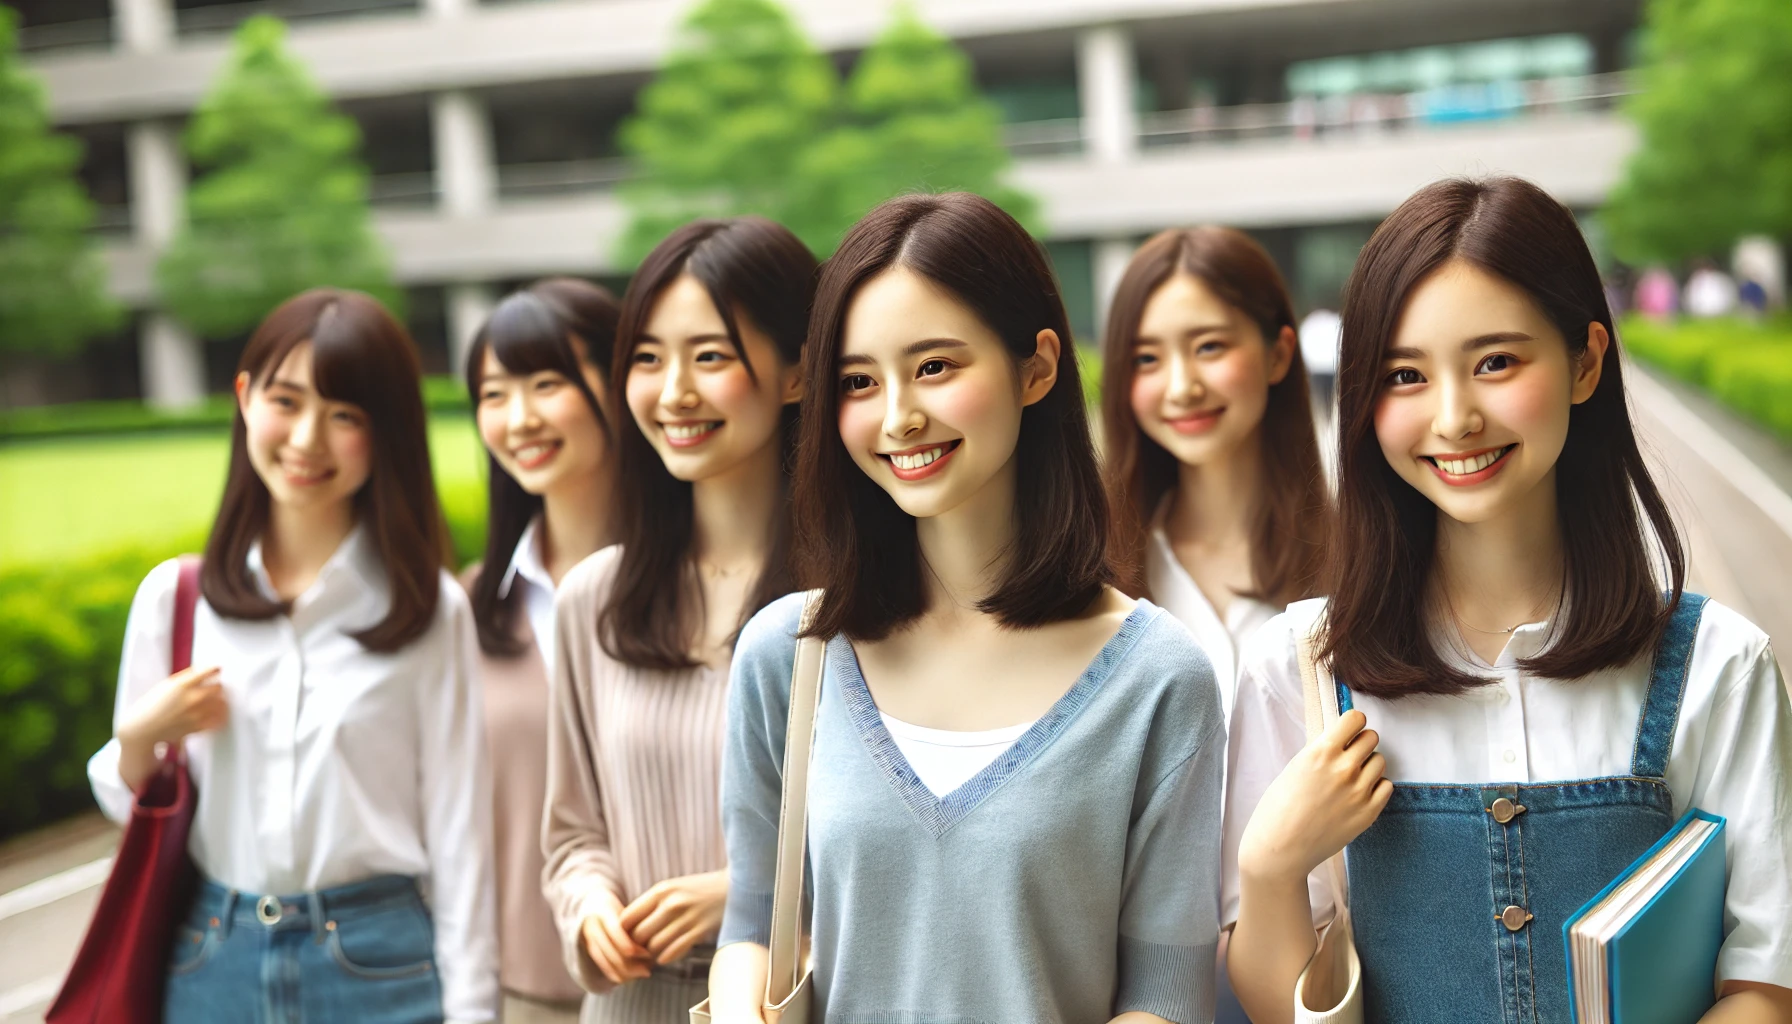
1174, 590
944, 759
337, 764
1732, 753
528, 571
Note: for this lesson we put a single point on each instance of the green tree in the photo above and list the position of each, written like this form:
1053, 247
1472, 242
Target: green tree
52, 284
914, 122
723, 127
1715, 116
281, 203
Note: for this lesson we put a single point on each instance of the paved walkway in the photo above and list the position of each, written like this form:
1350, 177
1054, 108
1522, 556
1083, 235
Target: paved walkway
1727, 481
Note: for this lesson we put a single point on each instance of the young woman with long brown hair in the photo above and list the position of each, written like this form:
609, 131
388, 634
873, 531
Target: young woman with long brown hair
705, 381
1220, 506
331, 720
1014, 807
1543, 712
536, 371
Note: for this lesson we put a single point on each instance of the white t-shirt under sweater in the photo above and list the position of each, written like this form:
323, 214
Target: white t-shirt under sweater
944, 759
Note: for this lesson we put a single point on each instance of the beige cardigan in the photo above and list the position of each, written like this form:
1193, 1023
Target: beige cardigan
516, 729
634, 768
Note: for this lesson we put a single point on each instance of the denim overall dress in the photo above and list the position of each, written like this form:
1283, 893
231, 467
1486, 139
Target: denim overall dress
1459, 892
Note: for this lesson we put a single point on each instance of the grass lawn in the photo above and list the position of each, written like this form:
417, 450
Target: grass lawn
80, 496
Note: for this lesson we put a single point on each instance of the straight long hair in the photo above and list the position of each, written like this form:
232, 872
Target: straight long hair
856, 542
753, 269
1376, 631
362, 356
530, 332
1293, 514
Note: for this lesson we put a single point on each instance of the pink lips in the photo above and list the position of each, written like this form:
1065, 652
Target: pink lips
1199, 422
925, 471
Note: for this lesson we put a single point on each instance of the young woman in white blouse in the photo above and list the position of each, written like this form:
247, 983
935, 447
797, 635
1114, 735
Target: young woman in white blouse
705, 379
535, 372
1542, 712
331, 721
1220, 507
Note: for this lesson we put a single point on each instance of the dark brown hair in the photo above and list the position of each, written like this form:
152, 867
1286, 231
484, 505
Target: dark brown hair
1294, 516
362, 356
528, 333
752, 268
856, 543
1376, 631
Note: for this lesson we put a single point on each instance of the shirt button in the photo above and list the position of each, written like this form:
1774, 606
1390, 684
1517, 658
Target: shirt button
1511, 756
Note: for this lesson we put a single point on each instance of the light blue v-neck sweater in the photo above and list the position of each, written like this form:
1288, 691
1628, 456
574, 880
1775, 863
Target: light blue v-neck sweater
1074, 879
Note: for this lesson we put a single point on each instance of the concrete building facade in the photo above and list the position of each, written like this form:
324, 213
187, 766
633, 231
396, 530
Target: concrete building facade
489, 124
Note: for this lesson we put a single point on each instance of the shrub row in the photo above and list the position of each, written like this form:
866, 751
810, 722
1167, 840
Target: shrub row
1747, 366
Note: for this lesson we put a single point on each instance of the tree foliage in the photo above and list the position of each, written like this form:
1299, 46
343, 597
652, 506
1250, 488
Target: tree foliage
746, 117
281, 202
1715, 115
52, 284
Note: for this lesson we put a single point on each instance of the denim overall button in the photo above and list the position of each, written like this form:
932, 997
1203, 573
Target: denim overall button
1514, 918
269, 911
1504, 810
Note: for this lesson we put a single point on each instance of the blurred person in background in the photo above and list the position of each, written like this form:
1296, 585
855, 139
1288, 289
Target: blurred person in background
1657, 296
705, 381
537, 375
1710, 292
1319, 351
1220, 507
331, 720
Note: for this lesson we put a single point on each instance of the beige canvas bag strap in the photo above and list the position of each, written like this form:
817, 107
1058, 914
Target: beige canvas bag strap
1335, 959
787, 961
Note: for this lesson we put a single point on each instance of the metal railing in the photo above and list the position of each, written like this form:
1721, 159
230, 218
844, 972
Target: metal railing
560, 177
92, 34
226, 17
411, 188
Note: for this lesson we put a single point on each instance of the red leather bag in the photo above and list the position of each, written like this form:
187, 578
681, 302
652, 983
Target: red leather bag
118, 975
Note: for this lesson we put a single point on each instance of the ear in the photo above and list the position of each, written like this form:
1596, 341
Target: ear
1040, 371
1281, 354
1591, 364
241, 386
790, 384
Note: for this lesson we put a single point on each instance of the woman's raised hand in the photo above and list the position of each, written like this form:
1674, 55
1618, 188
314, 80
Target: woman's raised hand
1327, 795
189, 701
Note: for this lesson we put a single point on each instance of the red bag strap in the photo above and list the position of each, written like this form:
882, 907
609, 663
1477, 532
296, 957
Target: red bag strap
186, 599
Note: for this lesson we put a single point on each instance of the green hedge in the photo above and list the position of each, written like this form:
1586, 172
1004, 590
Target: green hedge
61, 630
1745, 365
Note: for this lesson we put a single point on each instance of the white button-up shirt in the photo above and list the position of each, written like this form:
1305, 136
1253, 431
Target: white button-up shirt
527, 570
337, 764
1174, 590
1731, 755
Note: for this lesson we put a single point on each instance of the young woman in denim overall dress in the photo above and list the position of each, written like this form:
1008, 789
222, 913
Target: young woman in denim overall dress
1543, 712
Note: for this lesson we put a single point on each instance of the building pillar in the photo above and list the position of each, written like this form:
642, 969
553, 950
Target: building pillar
1106, 73
448, 8
466, 170
1109, 261
468, 307
171, 357
144, 26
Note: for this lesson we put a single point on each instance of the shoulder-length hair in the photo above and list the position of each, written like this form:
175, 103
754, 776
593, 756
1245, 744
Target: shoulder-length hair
1376, 625
1293, 518
362, 356
753, 269
856, 543
528, 333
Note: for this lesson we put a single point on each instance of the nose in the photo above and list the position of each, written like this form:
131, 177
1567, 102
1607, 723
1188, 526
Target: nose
306, 430
520, 415
1458, 415
902, 418
680, 390
1185, 384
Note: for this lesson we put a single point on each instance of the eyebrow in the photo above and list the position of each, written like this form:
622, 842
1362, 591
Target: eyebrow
913, 348
1478, 342
281, 382
695, 339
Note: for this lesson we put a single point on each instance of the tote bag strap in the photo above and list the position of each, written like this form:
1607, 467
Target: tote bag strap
180, 651
1322, 710
787, 961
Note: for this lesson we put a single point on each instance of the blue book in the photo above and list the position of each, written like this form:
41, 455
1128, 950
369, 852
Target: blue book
1644, 951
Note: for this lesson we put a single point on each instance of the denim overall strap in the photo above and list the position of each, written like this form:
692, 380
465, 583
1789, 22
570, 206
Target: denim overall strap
1667, 684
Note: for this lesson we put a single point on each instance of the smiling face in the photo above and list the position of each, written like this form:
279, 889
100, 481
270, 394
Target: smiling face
539, 426
1477, 386
930, 398
1202, 371
692, 395
310, 451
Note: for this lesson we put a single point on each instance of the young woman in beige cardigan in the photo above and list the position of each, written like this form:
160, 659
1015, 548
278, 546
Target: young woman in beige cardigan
706, 364
535, 378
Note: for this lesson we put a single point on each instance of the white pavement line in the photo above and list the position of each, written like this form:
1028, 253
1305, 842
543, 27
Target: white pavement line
1717, 451
29, 997
48, 890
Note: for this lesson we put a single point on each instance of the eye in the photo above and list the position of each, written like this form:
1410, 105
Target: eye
643, 357
932, 368
1496, 363
1144, 360
346, 418
283, 401
490, 394
713, 355
549, 383
1403, 376
854, 382
1210, 348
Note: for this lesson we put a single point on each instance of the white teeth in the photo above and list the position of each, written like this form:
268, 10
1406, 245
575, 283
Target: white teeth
1463, 467
917, 460
533, 452
685, 431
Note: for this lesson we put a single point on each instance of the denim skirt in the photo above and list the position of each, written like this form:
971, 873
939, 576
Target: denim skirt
357, 954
